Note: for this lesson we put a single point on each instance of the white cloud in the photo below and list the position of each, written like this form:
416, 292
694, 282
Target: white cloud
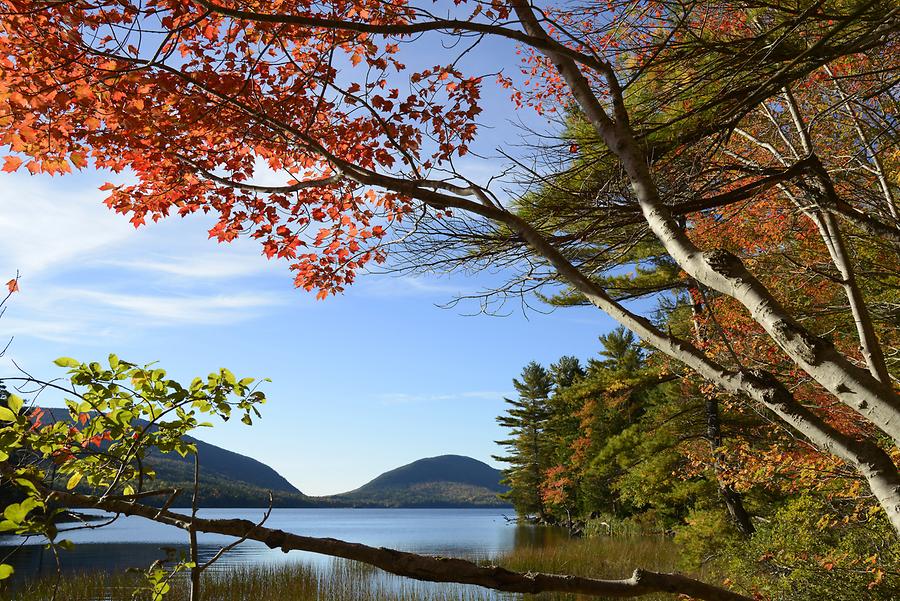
199, 266
54, 226
87, 274
50, 329
167, 310
40, 228
62, 314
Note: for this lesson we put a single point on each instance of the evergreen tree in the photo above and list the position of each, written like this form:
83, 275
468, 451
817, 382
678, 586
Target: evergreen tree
620, 351
566, 371
526, 418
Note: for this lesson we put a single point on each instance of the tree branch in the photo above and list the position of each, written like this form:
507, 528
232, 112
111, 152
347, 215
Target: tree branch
412, 565
400, 29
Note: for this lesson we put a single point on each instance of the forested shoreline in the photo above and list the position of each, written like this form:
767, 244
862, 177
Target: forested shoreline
621, 446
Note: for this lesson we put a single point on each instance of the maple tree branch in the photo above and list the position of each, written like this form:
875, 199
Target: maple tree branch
737, 101
831, 202
301, 185
696, 205
864, 221
742, 193
405, 29
823, 186
723, 270
869, 149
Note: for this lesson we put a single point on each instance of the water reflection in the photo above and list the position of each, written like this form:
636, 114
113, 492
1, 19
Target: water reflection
137, 543
527, 535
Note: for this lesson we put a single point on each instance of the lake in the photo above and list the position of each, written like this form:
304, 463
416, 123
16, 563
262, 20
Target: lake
137, 542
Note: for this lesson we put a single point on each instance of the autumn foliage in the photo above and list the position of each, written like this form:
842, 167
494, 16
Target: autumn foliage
733, 164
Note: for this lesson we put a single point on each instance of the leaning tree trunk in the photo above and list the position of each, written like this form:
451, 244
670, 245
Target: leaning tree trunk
722, 271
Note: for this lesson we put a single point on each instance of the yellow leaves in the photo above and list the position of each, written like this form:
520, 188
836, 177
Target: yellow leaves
74, 480
79, 159
892, 166
824, 522
879, 577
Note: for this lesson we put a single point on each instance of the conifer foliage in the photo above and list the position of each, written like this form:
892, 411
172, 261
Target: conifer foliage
526, 420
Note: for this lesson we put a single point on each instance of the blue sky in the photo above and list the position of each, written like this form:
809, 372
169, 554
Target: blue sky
361, 383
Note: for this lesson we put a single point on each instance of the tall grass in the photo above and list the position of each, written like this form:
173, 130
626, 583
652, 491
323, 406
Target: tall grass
595, 557
339, 580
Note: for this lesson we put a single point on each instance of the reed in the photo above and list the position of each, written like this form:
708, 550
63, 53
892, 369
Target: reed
339, 580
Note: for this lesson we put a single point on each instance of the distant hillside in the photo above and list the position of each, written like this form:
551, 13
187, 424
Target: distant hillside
227, 479
444, 481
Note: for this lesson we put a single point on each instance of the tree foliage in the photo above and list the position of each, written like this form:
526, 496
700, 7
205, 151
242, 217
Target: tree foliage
741, 153
526, 421
630, 453
120, 413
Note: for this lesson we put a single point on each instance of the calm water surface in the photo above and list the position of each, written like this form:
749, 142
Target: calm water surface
137, 542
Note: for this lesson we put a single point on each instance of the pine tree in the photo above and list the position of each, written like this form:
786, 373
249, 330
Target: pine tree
526, 418
566, 371
620, 351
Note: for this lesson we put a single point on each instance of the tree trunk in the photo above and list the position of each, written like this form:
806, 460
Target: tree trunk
734, 501
725, 273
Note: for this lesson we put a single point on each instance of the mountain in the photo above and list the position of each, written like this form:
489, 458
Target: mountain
227, 479
444, 481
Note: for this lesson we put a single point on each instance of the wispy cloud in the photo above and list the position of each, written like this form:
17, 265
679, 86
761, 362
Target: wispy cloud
203, 266
65, 314
87, 274
50, 329
215, 308
40, 230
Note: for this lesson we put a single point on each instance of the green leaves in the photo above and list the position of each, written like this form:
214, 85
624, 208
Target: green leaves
67, 362
118, 415
16, 514
7, 415
74, 480
10, 413
14, 402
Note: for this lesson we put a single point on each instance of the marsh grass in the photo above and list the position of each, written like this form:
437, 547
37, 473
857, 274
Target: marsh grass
339, 580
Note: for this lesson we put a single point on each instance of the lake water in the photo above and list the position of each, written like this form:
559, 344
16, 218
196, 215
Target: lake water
137, 542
